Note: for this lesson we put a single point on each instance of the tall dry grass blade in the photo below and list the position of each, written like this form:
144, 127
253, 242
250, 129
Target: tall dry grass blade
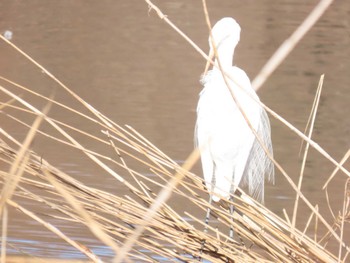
45, 71
328, 203
286, 217
314, 104
47, 99
60, 140
9, 137
103, 118
55, 230
343, 160
171, 24
162, 197
246, 233
289, 44
161, 227
144, 141
6, 104
316, 227
122, 164
17, 167
26, 256
106, 122
90, 222
301, 175
126, 167
4, 225
206, 15
308, 222
345, 214
146, 148
72, 140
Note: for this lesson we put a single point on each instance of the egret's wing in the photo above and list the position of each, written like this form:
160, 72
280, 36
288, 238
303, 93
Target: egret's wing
195, 137
259, 166
202, 132
265, 134
204, 80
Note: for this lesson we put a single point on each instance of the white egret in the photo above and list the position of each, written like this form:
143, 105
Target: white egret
231, 155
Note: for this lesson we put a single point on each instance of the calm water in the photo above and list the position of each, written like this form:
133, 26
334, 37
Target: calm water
135, 69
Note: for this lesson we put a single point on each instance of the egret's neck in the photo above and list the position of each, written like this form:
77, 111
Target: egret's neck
225, 54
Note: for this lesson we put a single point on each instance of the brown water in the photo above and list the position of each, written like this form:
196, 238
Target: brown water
135, 69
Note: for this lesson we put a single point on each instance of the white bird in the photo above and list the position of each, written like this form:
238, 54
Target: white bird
231, 155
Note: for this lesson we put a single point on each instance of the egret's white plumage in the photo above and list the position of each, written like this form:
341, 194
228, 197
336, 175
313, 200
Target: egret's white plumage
230, 152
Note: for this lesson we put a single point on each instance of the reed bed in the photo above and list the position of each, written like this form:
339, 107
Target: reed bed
142, 225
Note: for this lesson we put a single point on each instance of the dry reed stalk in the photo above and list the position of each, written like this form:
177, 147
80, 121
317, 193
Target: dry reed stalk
343, 160
4, 234
30, 259
70, 138
312, 121
71, 183
94, 227
56, 207
55, 230
162, 197
6, 104
167, 225
173, 217
344, 216
17, 166
289, 44
172, 25
15, 173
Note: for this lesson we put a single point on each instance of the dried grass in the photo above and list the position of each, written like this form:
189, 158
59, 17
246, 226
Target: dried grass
141, 225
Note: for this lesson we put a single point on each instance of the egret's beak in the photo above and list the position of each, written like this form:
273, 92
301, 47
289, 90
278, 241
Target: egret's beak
211, 56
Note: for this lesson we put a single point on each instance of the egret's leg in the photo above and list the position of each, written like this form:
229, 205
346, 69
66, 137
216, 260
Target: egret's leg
232, 209
207, 217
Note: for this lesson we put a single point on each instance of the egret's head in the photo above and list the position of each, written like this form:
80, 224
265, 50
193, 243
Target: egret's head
226, 34
225, 31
